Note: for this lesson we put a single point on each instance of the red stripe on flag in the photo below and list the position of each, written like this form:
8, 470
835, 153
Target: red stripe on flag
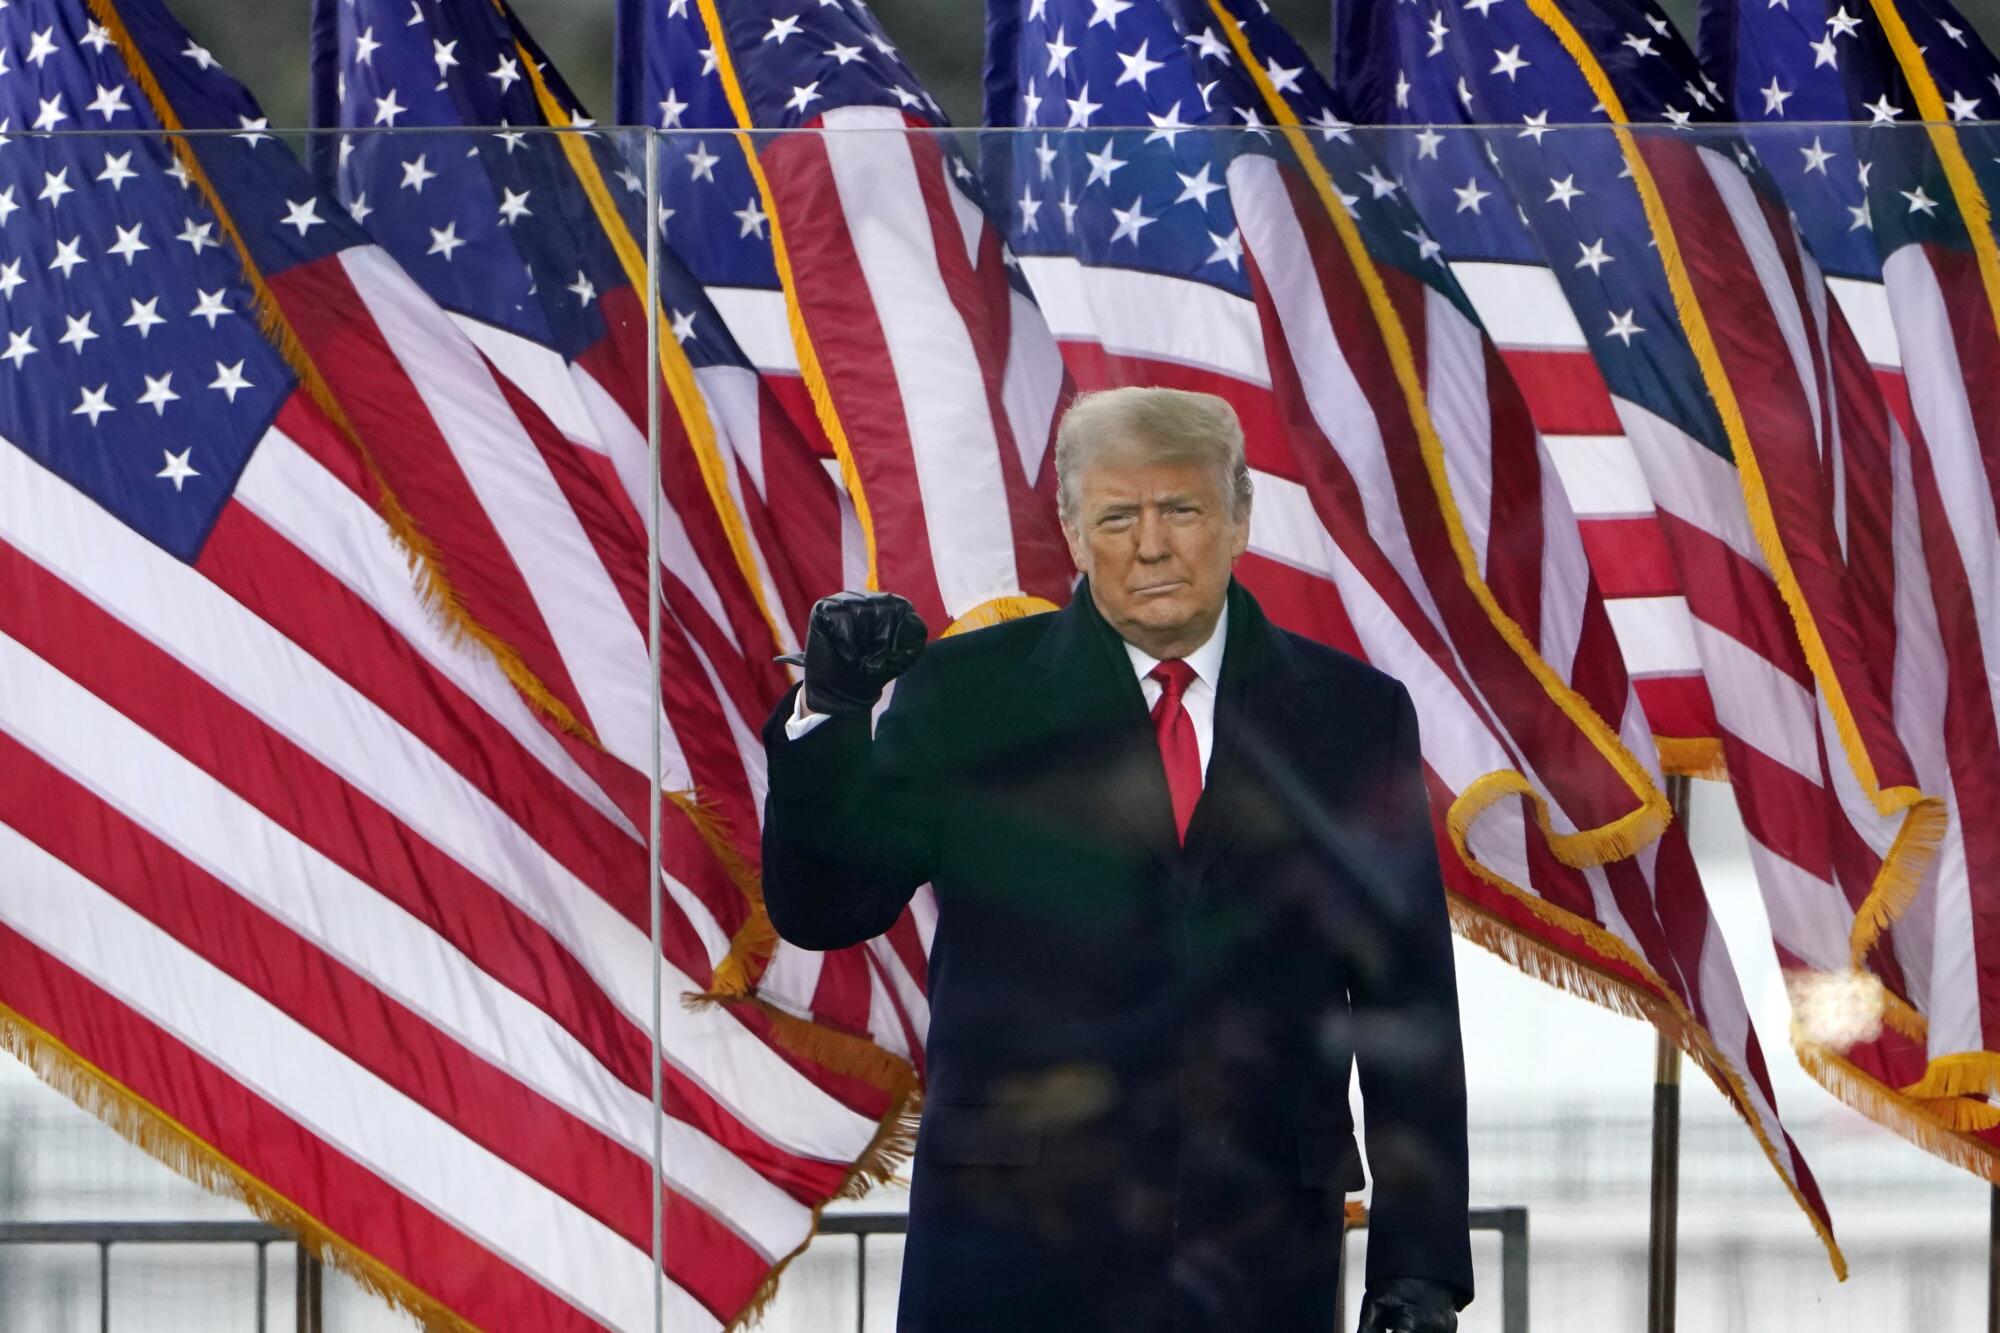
1678, 706
1629, 556
853, 352
1564, 390
1516, 463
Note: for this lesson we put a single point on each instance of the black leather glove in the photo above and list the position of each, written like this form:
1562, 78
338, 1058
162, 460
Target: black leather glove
1410, 1305
856, 643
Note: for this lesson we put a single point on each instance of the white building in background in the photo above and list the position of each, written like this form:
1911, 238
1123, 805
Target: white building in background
1561, 1096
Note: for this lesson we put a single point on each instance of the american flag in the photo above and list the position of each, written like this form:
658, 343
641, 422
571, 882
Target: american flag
535, 243
1902, 213
931, 373
1198, 253
1732, 416
549, 296
1521, 301
299, 890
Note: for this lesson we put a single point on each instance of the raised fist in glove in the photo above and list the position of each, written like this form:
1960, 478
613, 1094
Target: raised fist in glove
1410, 1305
856, 643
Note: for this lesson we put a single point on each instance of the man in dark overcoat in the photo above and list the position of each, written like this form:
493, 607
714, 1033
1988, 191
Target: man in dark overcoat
1186, 882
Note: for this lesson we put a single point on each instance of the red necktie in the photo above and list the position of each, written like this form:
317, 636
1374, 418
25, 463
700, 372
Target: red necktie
1178, 750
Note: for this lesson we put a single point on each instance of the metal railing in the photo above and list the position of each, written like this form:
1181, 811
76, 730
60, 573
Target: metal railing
1510, 1223
308, 1286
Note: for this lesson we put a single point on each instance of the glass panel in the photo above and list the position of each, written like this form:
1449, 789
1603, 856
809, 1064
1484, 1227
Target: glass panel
365, 757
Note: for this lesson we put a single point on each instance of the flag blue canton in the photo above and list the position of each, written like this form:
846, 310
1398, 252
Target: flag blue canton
134, 367
796, 60
495, 223
1557, 187
1861, 191
1155, 198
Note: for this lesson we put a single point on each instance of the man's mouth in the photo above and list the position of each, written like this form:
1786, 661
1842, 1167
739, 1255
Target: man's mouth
1154, 589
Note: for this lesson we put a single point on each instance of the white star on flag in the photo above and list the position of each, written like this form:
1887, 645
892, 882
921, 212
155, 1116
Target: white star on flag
303, 214
177, 469
229, 379
95, 403
159, 392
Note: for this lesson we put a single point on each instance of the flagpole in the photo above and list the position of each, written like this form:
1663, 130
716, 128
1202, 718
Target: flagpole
1663, 1247
653, 592
1993, 1260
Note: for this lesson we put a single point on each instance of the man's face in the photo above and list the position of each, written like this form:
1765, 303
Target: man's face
1157, 540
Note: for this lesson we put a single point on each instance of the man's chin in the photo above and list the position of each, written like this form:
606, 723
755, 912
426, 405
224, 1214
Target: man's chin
1165, 615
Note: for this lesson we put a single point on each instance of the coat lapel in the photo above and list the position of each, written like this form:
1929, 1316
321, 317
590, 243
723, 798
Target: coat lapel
1255, 706
1094, 701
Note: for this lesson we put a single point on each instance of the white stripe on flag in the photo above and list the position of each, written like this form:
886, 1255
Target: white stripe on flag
1455, 383
1521, 305
1132, 313
593, 632
1601, 475
954, 446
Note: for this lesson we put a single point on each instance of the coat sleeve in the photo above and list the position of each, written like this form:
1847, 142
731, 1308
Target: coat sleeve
1408, 1046
851, 822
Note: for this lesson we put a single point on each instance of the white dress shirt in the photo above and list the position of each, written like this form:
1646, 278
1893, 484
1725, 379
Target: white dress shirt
1198, 699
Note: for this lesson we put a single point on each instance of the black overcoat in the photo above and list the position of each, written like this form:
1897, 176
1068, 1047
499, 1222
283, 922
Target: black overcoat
1136, 1114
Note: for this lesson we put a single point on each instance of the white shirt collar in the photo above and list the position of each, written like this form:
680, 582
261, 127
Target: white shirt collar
1206, 660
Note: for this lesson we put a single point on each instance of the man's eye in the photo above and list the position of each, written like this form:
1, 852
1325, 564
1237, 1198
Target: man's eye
1115, 521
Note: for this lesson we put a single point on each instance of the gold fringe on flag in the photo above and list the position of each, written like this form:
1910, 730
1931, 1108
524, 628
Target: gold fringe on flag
1941, 1129
1586, 847
1656, 1005
1924, 815
880, 1164
171, 1143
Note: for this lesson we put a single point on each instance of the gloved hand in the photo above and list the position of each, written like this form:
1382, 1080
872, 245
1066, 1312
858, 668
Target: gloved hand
1410, 1305
856, 643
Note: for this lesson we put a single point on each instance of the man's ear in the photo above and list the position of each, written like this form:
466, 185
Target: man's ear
1241, 543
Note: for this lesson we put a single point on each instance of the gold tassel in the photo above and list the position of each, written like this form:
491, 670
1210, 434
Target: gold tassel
1965, 1074
1692, 757
998, 611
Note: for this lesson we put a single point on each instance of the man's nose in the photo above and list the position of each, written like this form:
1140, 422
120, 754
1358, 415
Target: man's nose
1152, 536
